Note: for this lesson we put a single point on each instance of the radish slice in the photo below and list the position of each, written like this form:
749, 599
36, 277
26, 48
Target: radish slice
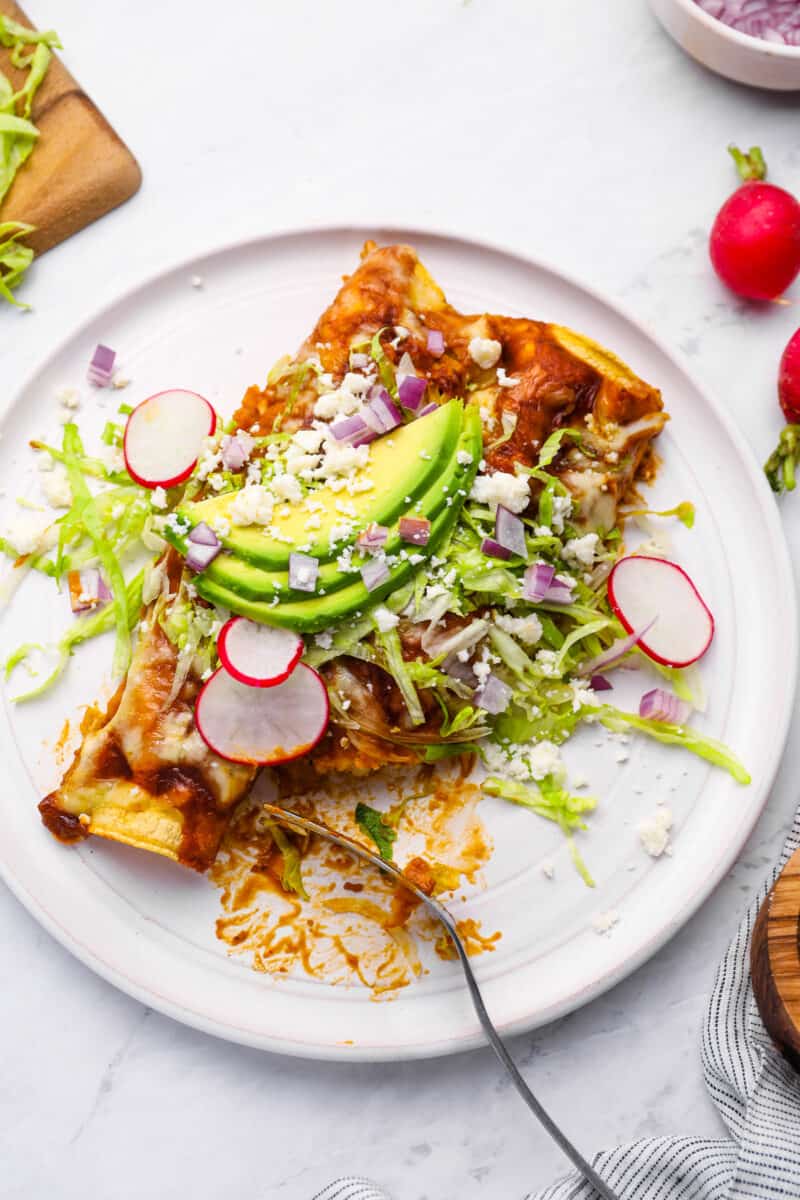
262, 726
164, 436
659, 594
259, 656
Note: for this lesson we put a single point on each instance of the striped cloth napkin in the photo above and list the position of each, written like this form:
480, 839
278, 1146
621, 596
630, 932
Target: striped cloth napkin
756, 1091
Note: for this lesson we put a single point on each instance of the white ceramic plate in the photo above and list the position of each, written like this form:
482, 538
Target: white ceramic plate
148, 926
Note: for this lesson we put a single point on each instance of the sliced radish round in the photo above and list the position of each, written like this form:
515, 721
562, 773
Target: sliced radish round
164, 436
659, 594
259, 655
262, 726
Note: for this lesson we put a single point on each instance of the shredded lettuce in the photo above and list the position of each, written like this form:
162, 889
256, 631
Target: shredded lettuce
684, 512
14, 257
397, 667
673, 735
549, 798
441, 750
81, 630
85, 510
385, 368
292, 875
18, 137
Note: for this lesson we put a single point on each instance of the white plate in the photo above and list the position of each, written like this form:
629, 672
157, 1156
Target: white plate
148, 926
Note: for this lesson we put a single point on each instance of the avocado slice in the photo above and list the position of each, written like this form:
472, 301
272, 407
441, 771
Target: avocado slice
402, 464
254, 583
309, 614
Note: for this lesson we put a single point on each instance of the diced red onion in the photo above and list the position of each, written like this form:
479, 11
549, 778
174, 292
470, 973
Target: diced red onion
87, 589
411, 391
509, 531
537, 580
374, 574
416, 530
435, 343
101, 368
493, 549
382, 412
775, 21
203, 535
558, 593
303, 572
373, 538
234, 451
456, 669
428, 409
353, 431
616, 651
661, 705
405, 366
199, 555
599, 683
494, 696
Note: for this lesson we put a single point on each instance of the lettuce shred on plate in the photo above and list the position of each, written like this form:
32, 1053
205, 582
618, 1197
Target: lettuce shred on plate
536, 650
30, 52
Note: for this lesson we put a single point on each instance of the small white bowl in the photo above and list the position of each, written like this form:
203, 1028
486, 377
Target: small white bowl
736, 55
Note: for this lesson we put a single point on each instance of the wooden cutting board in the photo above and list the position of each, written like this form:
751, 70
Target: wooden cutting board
79, 170
775, 961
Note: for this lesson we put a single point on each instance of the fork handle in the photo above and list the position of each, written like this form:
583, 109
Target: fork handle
500, 1049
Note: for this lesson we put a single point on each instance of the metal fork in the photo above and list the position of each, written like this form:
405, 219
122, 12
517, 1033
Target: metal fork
294, 821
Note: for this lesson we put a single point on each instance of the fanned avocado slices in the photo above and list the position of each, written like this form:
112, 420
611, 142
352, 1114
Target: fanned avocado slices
401, 464
265, 596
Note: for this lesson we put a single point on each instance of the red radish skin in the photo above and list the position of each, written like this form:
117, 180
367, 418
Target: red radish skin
646, 593
789, 380
276, 652
151, 427
262, 727
755, 239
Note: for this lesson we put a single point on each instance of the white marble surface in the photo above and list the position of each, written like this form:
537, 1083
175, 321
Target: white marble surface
572, 130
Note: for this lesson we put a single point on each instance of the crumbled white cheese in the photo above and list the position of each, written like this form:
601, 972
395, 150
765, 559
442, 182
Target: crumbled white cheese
581, 551
343, 400
547, 662
581, 696
654, 832
506, 381
562, 508
548, 870
197, 281
464, 458
485, 351
253, 505
55, 486
158, 498
324, 640
603, 923
523, 763
26, 531
69, 397
309, 441
527, 629
502, 488
385, 619
286, 487
341, 459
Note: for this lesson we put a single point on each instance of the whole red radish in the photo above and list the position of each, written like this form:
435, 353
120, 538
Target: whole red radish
789, 379
755, 239
781, 466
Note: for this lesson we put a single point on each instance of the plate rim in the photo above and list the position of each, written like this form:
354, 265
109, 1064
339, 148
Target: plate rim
779, 553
